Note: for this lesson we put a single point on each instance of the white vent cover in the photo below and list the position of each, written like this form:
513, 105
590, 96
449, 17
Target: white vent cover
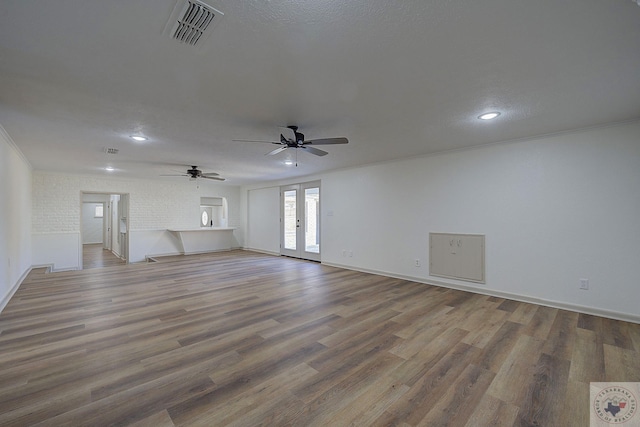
191, 22
457, 256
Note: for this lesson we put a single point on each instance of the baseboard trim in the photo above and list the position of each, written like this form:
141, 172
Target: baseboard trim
626, 317
210, 251
260, 251
153, 256
146, 257
51, 269
14, 288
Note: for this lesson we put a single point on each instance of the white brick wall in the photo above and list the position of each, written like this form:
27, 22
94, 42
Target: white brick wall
154, 204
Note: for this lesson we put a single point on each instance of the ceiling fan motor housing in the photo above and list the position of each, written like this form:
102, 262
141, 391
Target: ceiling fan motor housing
299, 135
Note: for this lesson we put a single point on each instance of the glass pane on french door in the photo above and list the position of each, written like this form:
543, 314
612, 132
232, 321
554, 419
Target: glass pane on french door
312, 220
290, 219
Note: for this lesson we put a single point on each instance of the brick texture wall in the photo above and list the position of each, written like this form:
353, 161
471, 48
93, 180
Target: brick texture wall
154, 204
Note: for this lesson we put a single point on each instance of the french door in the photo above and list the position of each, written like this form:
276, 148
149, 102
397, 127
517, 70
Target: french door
300, 220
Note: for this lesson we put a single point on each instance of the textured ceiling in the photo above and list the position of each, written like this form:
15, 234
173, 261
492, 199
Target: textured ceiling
398, 79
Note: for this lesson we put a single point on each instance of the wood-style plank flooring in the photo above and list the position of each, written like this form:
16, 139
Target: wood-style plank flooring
240, 338
94, 256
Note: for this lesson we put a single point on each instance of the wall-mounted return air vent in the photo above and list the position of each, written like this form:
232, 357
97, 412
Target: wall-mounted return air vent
191, 22
457, 256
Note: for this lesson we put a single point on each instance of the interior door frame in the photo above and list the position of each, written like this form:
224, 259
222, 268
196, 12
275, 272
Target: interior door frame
301, 223
109, 207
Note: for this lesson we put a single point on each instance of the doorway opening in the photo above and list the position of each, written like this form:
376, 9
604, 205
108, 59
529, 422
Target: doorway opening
104, 224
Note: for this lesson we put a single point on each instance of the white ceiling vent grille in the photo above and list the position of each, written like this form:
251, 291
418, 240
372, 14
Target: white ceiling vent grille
191, 22
110, 150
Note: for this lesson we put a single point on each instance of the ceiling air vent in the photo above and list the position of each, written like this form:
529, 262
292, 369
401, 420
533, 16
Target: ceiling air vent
191, 22
110, 150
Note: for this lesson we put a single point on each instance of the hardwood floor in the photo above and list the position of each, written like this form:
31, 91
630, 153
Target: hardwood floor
240, 338
94, 256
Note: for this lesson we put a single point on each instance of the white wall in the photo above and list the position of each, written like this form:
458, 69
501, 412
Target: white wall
92, 226
263, 220
60, 251
554, 210
15, 217
155, 205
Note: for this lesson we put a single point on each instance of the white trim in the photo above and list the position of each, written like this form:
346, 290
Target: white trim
146, 257
14, 288
54, 270
626, 317
210, 251
260, 251
13, 145
159, 255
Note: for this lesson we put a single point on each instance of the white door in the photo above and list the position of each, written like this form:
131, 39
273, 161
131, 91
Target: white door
300, 220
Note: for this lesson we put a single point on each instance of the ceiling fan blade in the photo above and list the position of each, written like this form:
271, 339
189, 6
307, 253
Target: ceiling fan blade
288, 134
210, 174
172, 175
253, 140
327, 141
212, 177
314, 151
277, 150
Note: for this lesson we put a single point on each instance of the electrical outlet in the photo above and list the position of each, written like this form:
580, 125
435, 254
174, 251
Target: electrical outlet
584, 284
350, 254
417, 263
344, 252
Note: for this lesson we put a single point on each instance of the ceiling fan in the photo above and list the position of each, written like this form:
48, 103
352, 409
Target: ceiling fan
291, 138
195, 173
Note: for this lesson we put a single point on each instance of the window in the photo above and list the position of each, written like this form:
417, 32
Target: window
204, 219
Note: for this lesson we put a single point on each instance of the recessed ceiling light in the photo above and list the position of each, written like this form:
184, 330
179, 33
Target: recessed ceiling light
139, 138
489, 116
109, 169
288, 162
